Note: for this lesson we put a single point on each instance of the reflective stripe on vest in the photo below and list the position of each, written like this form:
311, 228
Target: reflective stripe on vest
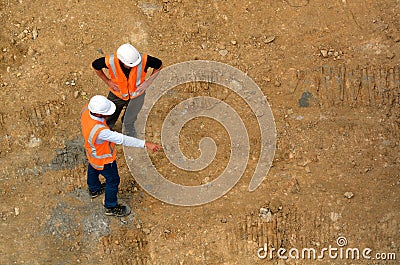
139, 72
84, 109
91, 143
96, 166
112, 64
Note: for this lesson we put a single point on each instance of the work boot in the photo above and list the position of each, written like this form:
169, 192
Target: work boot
118, 211
97, 193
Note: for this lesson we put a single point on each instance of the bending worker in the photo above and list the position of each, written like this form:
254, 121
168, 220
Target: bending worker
127, 82
101, 152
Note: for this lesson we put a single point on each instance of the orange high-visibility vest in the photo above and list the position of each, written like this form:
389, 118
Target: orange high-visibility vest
127, 86
97, 154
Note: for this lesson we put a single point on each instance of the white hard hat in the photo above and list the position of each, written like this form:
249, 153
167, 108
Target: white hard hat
101, 105
128, 54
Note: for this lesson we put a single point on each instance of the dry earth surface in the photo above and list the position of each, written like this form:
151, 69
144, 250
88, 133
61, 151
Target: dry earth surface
329, 69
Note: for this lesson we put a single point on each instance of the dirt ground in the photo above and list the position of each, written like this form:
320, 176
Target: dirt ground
329, 69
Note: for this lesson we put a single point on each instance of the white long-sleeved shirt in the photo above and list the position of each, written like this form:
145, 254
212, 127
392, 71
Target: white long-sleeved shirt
116, 137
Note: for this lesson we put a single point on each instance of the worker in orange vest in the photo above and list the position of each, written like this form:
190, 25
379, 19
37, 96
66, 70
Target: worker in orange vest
100, 150
127, 69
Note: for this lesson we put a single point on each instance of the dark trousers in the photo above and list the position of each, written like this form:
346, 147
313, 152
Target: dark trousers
135, 105
110, 173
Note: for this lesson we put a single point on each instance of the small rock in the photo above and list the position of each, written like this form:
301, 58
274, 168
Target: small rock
223, 220
324, 53
35, 33
349, 195
83, 93
265, 214
223, 52
146, 231
277, 83
233, 42
305, 99
16, 210
269, 39
76, 94
203, 46
335, 216
341, 130
19, 74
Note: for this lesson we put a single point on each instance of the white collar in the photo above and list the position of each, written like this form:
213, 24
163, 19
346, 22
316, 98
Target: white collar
96, 118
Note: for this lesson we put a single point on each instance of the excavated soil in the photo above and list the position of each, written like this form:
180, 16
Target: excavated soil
329, 69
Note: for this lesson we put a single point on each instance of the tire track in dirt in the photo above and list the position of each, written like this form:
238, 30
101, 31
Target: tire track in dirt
293, 228
344, 85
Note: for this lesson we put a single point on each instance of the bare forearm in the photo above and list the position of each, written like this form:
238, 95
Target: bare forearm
156, 71
150, 80
106, 80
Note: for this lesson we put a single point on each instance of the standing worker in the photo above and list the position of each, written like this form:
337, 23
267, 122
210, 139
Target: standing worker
127, 69
101, 152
